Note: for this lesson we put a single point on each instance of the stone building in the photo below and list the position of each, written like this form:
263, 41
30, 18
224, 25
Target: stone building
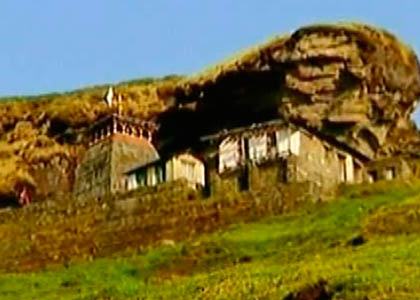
248, 158
398, 167
122, 157
275, 153
117, 145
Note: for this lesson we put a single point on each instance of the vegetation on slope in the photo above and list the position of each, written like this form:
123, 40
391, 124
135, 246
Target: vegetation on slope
52, 125
261, 260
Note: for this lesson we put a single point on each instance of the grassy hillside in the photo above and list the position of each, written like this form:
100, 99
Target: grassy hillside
365, 245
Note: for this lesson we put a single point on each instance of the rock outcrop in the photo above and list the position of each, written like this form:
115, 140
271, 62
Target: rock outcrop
353, 81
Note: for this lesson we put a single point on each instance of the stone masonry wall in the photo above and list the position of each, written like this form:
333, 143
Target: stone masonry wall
318, 162
62, 232
93, 173
402, 168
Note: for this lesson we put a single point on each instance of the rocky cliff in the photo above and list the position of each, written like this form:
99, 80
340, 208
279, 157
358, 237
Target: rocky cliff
357, 83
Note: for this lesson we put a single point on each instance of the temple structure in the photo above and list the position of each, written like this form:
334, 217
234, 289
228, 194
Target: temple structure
117, 143
122, 157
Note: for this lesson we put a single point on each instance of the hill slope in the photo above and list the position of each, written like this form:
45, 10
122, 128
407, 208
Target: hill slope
355, 82
365, 245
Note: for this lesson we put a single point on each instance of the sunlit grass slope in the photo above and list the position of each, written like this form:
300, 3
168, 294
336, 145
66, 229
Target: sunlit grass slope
263, 260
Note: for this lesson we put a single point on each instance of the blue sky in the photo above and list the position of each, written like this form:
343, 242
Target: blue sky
52, 45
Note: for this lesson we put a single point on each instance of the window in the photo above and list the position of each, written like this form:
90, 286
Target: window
272, 139
282, 138
258, 147
141, 177
346, 168
228, 154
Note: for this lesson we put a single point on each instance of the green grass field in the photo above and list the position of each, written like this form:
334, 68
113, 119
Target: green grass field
263, 260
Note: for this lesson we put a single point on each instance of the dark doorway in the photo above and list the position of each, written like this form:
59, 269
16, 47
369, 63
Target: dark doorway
243, 180
246, 148
282, 171
272, 143
207, 185
373, 176
272, 139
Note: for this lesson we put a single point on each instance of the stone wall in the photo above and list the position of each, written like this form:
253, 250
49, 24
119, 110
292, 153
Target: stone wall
324, 165
93, 173
224, 184
53, 179
55, 232
317, 162
103, 167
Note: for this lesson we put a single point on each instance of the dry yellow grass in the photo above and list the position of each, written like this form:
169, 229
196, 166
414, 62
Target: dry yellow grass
31, 126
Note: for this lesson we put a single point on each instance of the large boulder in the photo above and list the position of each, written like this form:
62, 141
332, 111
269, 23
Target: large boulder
356, 82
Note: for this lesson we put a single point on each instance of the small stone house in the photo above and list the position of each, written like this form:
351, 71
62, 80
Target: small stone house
274, 153
397, 167
116, 144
